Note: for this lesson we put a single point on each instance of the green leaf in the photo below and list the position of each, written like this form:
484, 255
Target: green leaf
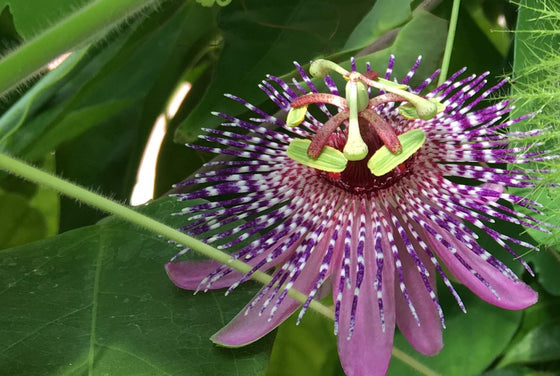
20, 223
26, 107
424, 36
266, 37
34, 16
330, 159
383, 16
383, 161
306, 349
517, 371
546, 265
97, 300
542, 344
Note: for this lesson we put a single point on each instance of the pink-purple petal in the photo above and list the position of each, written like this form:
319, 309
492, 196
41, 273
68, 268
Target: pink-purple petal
427, 337
249, 325
508, 293
368, 351
188, 274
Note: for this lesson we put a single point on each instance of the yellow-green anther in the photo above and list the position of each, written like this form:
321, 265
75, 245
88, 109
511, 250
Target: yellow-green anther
409, 111
355, 148
384, 84
425, 108
296, 116
383, 161
320, 68
330, 159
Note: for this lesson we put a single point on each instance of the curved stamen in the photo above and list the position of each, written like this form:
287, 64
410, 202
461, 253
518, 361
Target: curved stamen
322, 136
383, 129
385, 98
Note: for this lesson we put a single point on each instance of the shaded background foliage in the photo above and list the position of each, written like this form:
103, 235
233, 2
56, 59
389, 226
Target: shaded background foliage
95, 298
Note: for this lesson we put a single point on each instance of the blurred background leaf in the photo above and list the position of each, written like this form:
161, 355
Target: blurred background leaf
266, 37
97, 301
32, 16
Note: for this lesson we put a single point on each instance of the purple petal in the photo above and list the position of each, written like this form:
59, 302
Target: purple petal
506, 293
426, 338
249, 325
188, 274
368, 351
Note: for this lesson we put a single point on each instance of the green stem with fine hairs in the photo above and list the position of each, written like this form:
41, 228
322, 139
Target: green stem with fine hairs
77, 30
35, 175
449, 42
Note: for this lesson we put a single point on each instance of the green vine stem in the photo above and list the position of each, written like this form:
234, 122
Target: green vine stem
449, 42
35, 175
80, 28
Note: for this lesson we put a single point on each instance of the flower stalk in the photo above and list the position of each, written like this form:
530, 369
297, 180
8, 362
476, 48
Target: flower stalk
35, 175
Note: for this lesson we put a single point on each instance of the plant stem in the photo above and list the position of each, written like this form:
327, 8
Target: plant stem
449, 42
77, 30
35, 175
413, 363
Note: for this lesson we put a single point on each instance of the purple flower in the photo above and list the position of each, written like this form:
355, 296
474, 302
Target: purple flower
377, 239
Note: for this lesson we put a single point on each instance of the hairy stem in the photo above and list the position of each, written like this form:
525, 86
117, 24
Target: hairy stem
35, 175
80, 28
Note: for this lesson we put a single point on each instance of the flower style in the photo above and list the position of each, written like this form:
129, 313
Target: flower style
360, 190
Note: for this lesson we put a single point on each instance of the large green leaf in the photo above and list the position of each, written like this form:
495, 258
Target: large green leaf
383, 16
266, 37
33, 16
22, 224
97, 300
122, 76
540, 344
27, 106
307, 349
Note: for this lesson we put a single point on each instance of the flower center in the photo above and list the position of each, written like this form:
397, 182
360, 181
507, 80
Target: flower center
357, 178
357, 149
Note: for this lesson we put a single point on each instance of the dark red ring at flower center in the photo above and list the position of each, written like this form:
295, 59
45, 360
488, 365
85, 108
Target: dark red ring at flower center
357, 178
